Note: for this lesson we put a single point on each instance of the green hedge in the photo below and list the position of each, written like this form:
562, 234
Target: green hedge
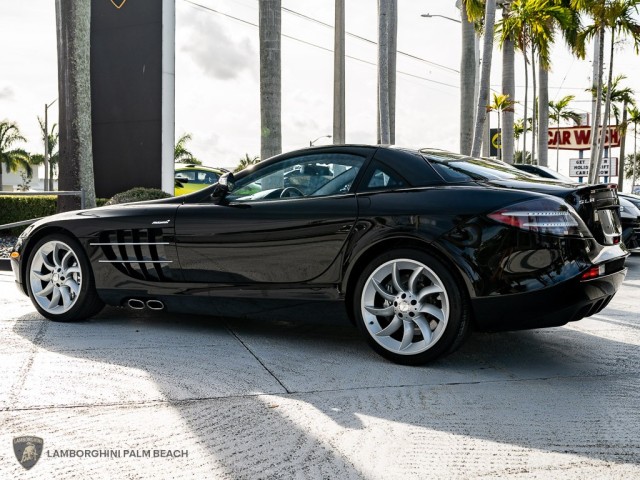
18, 208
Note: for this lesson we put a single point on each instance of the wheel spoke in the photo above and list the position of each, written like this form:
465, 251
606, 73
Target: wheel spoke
395, 324
407, 336
72, 270
46, 261
45, 277
430, 290
383, 312
382, 291
424, 327
414, 278
66, 258
45, 291
395, 277
72, 284
433, 311
66, 297
55, 298
56, 254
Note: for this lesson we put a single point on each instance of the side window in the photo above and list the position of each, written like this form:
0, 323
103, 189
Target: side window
383, 178
189, 174
314, 175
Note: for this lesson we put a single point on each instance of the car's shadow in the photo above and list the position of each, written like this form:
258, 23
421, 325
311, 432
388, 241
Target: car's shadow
555, 390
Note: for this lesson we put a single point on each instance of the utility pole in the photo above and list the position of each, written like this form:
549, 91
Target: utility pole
339, 86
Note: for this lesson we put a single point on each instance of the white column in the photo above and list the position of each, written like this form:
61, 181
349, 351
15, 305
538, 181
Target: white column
168, 92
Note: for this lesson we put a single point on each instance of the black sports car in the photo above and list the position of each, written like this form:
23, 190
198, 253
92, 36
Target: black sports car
419, 245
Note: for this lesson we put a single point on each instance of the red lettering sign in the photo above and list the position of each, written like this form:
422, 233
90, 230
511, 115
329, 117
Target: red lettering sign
579, 138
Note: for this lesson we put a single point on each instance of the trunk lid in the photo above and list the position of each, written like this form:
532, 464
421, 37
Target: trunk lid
597, 205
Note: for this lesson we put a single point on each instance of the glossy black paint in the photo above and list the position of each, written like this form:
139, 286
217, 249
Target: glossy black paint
315, 247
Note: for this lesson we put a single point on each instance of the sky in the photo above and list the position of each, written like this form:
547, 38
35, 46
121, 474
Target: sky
217, 74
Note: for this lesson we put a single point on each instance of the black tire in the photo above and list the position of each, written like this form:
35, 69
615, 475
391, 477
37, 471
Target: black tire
86, 302
448, 329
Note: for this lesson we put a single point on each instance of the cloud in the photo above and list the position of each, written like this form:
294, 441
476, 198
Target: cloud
6, 93
215, 52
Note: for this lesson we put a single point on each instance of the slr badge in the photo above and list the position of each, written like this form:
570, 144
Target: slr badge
27, 450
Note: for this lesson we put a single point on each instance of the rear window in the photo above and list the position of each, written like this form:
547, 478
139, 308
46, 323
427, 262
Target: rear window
458, 168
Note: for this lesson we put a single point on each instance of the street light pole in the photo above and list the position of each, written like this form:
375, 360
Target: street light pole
46, 146
311, 142
429, 15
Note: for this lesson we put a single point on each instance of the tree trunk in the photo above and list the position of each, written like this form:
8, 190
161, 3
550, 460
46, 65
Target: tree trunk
467, 81
73, 19
622, 148
384, 12
526, 101
339, 84
508, 88
543, 116
485, 76
604, 132
270, 78
534, 113
595, 123
393, 53
635, 155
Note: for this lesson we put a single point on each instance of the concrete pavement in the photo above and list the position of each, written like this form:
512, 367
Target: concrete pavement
297, 393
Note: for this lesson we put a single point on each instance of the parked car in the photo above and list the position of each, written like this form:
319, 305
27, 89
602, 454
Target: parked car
191, 178
630, 219
419, 245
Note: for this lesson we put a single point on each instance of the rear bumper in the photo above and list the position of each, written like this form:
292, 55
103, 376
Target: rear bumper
551, 307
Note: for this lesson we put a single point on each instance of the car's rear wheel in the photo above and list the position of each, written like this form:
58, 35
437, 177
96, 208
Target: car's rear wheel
60, 281
410, 307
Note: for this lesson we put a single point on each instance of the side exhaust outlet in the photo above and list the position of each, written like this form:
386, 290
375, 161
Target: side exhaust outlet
135, 304
155, 305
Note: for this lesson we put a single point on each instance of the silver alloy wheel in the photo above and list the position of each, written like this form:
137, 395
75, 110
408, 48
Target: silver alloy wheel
405, 306
55, 277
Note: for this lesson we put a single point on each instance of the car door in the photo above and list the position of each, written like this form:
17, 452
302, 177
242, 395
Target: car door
284, 223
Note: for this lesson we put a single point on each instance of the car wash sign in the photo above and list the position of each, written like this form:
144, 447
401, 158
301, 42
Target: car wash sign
579, 167
579, 138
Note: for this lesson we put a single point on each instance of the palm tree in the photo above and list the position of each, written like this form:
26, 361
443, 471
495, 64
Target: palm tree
634, 117
246, 161
509, 89
270, 14
10, 157
485, 76
54, 156
73, 19
501, 103
530, 24
618, 16
619, 95
385, 11
569, 23
181, 153
339, 81
560, 111
471, 12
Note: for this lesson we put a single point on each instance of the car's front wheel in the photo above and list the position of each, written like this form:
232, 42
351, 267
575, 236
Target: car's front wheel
60, 280
410, 308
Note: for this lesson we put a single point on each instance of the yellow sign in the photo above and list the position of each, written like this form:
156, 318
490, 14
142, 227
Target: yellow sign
496, 140
118, 5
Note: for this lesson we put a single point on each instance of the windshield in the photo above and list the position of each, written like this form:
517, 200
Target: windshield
460, 168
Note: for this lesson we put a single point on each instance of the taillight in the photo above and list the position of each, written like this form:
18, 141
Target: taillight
593, 272
547, 216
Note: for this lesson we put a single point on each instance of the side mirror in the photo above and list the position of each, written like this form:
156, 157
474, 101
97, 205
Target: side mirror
226, 184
